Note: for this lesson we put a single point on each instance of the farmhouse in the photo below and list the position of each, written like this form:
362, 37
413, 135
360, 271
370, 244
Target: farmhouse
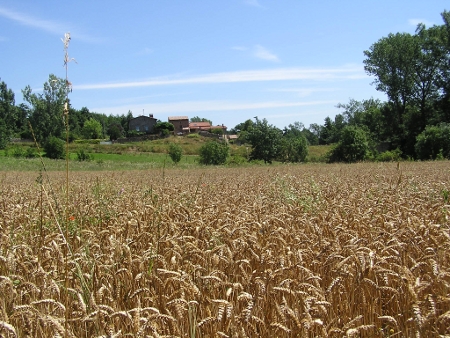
195, 127
142, 123
181, 123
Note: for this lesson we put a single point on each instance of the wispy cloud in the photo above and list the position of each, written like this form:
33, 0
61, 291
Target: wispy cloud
48, 26
210, 106
303, 92
239, 48
258, 51
254, 3
415, 22
264, 54
146, 51
278, 74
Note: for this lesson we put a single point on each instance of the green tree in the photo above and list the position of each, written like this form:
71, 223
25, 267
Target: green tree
365, 113
8, 114
353, 145
214, 153
92, 129
200, 119
265, 141
243, 126
115, 131
434, 141
46, 113
175, 152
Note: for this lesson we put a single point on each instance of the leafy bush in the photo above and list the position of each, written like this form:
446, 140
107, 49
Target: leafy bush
54, 148
83, 156
236, 160
434, 142
175, 152
31, 152
353, 145
390, 156
16, 151
161, 126
214, 153
293, 149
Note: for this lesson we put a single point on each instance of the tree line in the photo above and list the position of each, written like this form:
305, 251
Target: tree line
413, 70
44, 113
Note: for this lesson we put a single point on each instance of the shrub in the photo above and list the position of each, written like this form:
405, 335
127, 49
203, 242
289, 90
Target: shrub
31, 152
83, 156
293, 149
390, 156
175, 152
214, 153
353, 145
54, 148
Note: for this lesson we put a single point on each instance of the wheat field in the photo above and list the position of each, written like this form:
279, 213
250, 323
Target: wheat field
285, 251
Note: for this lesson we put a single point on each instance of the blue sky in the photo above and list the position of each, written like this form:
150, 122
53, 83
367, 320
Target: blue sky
226, 60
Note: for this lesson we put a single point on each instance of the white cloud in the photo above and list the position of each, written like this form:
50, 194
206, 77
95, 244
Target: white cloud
277, 74
415, 22
303, 92
254, 3
52, 27
210, 106
146, 51
264, 54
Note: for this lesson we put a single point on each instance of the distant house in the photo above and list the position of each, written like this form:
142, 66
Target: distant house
195, 127
181, 124
144, 124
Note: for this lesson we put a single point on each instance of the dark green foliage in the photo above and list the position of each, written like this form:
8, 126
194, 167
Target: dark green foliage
214, 153
217, 131
244, 126
160, 126
31, 152
434, 142
265, 141
46, 113
115, 131
8, 115
293, 149
390, 156
175, 152
54, 148
83, 156
4, 134
353, 146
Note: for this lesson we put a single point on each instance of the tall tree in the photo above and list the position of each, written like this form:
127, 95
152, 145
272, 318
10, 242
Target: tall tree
46, 113
265, 141
8, 114
391, 61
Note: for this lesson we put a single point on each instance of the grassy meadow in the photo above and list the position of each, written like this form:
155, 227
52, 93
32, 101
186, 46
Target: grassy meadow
312, 250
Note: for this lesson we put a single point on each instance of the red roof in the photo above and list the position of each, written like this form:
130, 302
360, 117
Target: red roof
197, 125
